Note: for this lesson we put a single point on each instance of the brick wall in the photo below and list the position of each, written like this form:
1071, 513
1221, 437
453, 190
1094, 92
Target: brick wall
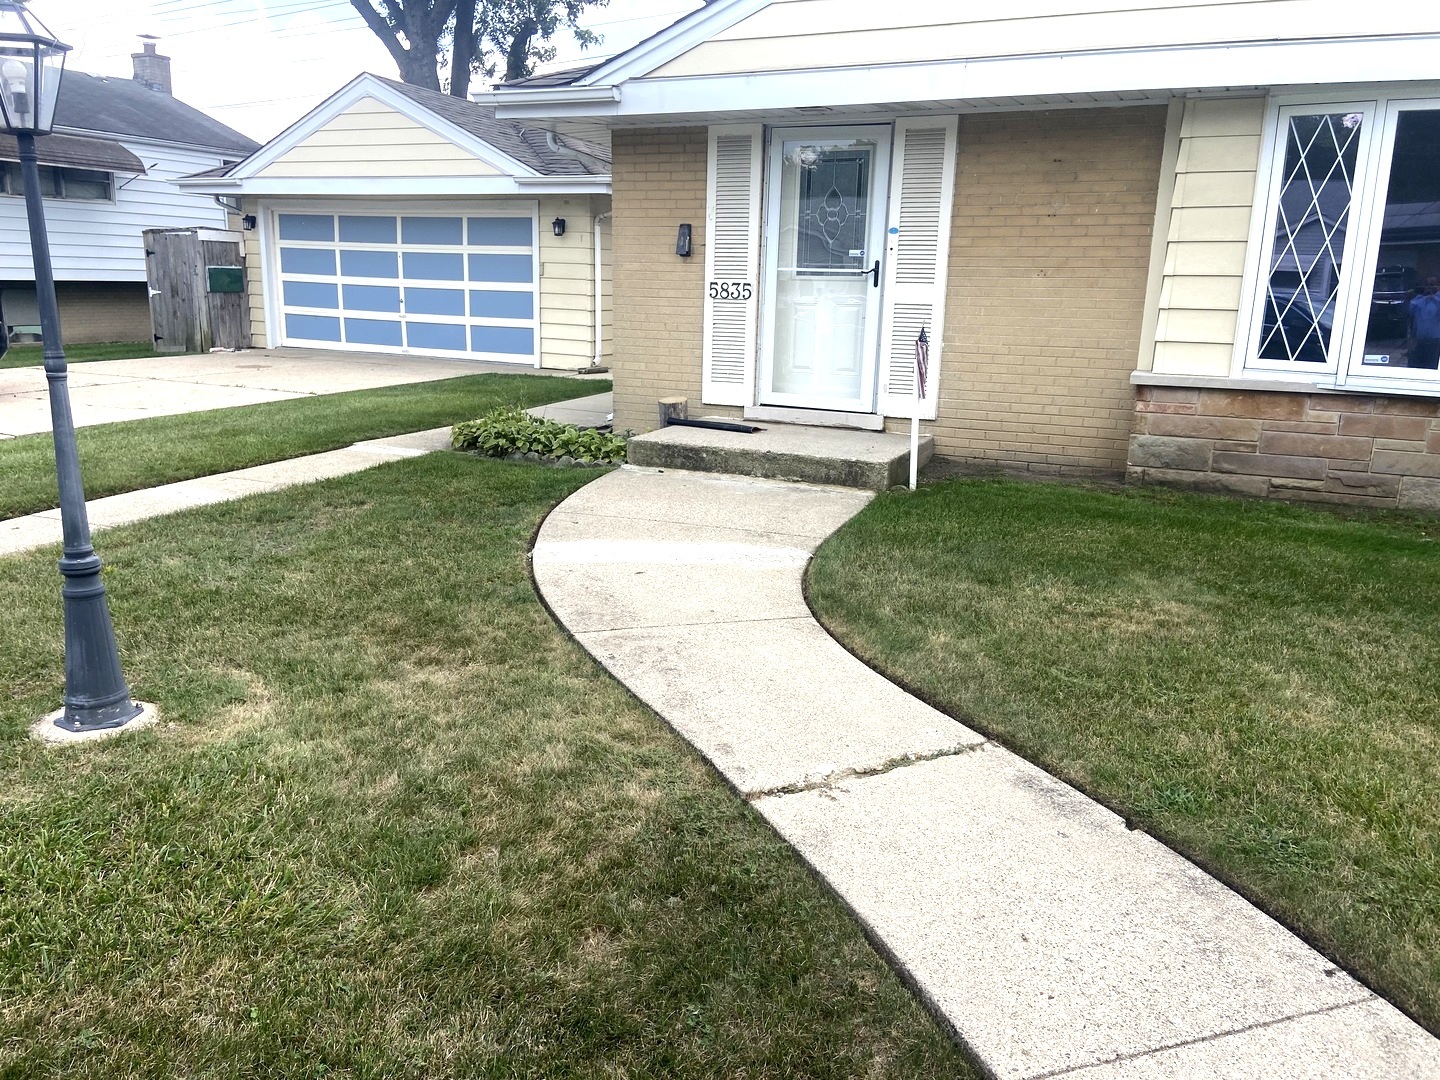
1336, 448
659, 298
103, 311
1049, 257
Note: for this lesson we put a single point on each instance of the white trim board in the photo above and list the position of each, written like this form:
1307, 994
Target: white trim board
416, 186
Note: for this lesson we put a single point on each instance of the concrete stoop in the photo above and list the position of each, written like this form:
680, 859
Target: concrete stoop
872, 460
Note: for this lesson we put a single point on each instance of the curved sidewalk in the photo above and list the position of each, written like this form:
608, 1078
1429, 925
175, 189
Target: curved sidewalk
1055, 941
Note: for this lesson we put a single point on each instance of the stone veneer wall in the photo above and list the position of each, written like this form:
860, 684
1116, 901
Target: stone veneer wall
1362, 450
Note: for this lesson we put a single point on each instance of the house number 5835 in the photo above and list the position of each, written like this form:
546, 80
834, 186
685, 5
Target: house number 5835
731, 290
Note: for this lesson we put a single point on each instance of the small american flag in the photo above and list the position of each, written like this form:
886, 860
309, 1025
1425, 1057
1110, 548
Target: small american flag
922, 362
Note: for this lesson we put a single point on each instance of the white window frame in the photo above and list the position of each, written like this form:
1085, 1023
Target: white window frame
1381, 108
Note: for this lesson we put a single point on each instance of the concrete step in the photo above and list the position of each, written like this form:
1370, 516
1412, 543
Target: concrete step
873, 460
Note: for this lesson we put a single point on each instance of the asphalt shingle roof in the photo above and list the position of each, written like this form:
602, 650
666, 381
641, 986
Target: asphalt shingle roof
529, 146
117, 106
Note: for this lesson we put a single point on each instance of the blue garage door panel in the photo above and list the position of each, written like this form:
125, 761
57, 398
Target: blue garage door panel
501, 268
317, 294
367, 230
373, 332
307, 261
312, 327
373, 298
503, 339
434, 302
434, 266
432, 231
493, 304
447, 336
307, 227
370, 264
501, 232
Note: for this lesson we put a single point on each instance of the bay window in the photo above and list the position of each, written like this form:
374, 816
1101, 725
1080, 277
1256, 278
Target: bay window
1347, 269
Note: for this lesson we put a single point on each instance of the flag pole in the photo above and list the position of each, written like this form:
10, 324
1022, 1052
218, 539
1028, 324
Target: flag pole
922, 362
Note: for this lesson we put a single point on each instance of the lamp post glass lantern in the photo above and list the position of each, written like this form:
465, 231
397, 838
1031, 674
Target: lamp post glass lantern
97, 698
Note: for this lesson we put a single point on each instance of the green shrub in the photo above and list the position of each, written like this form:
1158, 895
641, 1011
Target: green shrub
511, 430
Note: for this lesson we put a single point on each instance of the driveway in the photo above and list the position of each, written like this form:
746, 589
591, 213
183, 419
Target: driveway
110, 390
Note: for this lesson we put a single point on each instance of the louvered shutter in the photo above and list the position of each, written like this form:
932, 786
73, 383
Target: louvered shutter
732, 264
917, 247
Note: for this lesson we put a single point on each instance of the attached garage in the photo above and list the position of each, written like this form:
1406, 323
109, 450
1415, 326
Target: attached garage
394, 219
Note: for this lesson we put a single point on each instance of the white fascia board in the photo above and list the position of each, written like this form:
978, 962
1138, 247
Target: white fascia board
357, 89
565, 185
428, 186
675, 40
1259, 64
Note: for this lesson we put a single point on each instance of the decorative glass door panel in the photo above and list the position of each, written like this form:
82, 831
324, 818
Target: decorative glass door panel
825, 238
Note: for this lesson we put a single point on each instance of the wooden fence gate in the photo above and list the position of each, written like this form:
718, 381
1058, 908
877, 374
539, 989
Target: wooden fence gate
197, 290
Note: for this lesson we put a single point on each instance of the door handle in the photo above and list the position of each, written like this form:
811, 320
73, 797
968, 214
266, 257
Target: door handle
874, 272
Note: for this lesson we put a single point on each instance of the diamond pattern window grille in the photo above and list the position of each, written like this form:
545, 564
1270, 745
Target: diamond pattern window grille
1317, 185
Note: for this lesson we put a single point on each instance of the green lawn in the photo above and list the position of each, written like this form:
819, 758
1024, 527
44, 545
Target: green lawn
395, 823
145, 453
1257, 685
30, 355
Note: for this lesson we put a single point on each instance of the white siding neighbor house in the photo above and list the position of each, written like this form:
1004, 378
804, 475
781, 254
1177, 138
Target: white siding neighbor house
397, 219
1198, 242
108, 174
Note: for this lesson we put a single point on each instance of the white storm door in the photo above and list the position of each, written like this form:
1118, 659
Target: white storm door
825, 238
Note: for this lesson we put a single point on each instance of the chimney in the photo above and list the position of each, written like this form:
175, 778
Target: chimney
152, 69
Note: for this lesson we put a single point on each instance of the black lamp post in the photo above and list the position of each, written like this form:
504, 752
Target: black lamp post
96, 697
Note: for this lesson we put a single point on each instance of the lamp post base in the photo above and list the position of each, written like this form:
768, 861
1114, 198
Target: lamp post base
50, 728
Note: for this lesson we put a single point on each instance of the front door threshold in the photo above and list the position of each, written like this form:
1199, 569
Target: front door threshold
776, 414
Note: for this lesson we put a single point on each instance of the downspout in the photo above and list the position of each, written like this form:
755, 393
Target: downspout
599, 293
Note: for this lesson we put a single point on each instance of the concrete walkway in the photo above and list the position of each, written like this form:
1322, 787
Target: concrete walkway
1054, 940
106, 391
38, 530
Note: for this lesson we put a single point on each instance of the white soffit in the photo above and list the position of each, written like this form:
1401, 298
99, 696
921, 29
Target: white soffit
1149, 72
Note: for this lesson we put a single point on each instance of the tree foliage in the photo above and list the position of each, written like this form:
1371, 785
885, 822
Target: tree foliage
466, 37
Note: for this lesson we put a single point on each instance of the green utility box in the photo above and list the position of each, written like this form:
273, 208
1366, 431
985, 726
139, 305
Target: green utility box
225, 279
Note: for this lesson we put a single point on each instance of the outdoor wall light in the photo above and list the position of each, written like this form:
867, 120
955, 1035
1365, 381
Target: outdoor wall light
559, 226
96, 695
248, 222
682, 241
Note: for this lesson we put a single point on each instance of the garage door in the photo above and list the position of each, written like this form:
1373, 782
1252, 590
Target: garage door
444, 285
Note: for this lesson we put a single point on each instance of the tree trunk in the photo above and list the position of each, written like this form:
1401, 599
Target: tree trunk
462, 57
517, 57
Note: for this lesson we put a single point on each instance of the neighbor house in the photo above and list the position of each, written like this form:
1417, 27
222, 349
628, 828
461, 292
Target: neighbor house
107, 174
396, 219
1182, 239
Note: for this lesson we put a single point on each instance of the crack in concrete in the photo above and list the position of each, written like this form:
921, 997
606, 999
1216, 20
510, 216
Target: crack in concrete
829, 780
1259, 1025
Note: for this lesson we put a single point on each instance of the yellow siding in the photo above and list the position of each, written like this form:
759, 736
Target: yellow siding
567, 282
372, 139
254, 279
1210, 211
797, 34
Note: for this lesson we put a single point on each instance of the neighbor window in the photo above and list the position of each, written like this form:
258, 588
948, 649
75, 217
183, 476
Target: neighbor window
57, 182
1348, 278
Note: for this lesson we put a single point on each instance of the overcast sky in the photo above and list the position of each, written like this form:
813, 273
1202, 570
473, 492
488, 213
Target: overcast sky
259, 65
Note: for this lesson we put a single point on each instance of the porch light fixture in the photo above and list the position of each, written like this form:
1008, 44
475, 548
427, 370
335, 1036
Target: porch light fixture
559, 226
96, 695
